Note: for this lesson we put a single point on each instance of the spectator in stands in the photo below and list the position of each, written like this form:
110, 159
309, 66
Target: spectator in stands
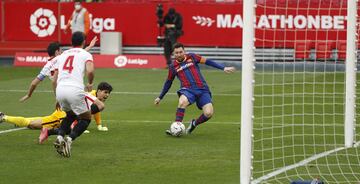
79, 20
173, 30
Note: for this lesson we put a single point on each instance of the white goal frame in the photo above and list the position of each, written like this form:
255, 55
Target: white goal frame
247, 96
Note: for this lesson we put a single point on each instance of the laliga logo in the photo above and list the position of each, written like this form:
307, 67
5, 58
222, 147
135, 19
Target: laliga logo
120, 61
43, 22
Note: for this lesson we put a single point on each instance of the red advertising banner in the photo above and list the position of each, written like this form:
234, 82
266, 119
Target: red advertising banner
216, 24
1, 21
47, 21
30, 59
37, 21
35, 59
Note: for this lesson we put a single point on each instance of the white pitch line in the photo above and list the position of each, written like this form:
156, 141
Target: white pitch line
115, 92
163, 121
301, 163
129, 121
12, 130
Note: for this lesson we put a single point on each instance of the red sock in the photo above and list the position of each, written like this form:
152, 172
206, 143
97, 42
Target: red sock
180, 112
202, 119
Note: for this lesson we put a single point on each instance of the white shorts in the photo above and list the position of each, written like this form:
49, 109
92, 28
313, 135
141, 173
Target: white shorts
72, 99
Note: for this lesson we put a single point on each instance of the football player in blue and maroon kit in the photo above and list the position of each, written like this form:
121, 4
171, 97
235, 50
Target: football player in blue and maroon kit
193, 87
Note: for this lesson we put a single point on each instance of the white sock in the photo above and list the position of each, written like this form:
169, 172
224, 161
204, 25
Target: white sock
59, 137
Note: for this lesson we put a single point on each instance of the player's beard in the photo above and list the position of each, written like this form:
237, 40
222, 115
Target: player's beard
180, 58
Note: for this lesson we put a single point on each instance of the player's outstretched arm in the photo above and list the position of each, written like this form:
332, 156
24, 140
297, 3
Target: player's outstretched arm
54, 81
219, 66
167, 85
214, 64
90, 73
92, 43
32, 87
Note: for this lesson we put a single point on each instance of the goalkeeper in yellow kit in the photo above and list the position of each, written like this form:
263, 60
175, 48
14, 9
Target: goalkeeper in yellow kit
48, 124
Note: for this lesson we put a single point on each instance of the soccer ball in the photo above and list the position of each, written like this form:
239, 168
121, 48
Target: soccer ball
177, 129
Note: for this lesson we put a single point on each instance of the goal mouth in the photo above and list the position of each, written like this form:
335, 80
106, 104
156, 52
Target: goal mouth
303, 96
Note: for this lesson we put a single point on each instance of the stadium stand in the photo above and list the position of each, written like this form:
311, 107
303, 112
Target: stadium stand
341, 50
302, 49
324, 49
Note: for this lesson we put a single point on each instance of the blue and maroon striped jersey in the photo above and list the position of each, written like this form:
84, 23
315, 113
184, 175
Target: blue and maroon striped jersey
188, 72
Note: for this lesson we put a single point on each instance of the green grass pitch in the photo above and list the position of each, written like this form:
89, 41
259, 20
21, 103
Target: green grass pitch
136, 149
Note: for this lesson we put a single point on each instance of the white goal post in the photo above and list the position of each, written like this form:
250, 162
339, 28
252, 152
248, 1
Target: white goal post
247, 87
298, 116
351, 60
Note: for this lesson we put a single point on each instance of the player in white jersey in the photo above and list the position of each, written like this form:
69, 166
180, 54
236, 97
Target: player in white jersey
71, 67
53, 51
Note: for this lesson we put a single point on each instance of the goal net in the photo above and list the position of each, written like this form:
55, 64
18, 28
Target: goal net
305, 125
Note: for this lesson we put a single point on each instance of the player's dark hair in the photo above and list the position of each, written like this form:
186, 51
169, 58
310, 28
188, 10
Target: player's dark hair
77, 39
105, 86
178, 45
52, 48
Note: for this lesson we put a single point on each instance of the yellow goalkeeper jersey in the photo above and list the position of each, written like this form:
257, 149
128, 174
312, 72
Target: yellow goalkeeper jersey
97, 116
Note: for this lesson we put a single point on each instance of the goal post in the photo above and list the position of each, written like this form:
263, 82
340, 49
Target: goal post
351, 60
299, 89
248, 64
